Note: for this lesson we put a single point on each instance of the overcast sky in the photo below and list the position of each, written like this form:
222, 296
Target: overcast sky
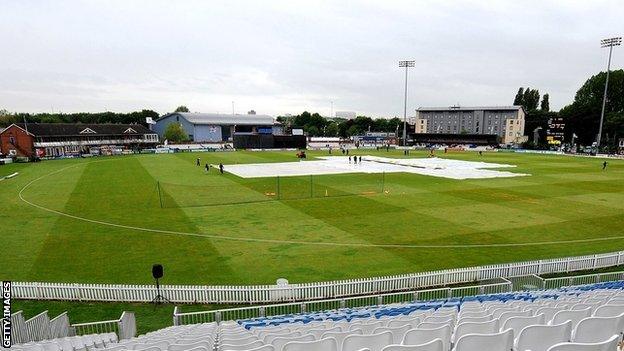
280, 57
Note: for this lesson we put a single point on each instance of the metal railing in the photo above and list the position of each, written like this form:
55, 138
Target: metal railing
59, 326
19, 334
124, 327
38, 327
218, 316
524, 284
255, 294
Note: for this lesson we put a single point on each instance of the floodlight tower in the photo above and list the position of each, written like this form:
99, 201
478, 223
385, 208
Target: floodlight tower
407, 65
606, 43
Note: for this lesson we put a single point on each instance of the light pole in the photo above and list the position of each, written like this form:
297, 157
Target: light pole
406, 64
606, 43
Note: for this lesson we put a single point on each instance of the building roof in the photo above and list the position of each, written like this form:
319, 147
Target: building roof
75, 129
470, 108
222, 119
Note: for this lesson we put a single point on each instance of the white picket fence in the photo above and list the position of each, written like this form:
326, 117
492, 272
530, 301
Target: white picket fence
253, 294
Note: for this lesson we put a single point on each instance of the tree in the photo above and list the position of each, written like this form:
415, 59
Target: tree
582, 117
175, 133
519, 99
182, 108
545, 106
331, 130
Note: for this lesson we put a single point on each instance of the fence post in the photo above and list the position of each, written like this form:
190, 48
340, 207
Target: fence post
343, 303
303, 307
415, 296
379, 300
261, 311
218, 317
176, 318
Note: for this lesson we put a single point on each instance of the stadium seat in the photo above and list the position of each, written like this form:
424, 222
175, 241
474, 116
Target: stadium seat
374, 342
397, 332
595, 329
279, 343
574, 316
327, 344
502, 341
435, 345
248, 346
423, 336
541, 337
609, 310
518, 323
340, 336
610, 344
489, 327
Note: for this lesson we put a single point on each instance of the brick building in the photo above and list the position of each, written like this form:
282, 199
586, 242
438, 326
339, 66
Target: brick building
65, 139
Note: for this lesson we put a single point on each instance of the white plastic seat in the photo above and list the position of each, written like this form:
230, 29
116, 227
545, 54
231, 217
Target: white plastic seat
489, 327
340, 336
548, 312
506, 315
399, 322
610, 344
433, 325
595, 329
541, 337
162, 345
440, 319
502, 341
462, 319
609, 310
248, 346
318, 332
279, 342
182, 347
367, 328
327, 344
50, 346
263, 348
423, 336
397, 332
239, 341
466, 314
434, 345
518, 323
268, 338
374, 342
574, 316
496, 312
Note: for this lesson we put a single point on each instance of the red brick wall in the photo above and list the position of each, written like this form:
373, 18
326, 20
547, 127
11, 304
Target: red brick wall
23, 142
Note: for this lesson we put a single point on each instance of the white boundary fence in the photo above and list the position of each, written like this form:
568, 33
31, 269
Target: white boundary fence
252, 294
218, 316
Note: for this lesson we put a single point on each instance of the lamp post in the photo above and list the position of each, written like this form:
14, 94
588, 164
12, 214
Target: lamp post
406, 64
606, 43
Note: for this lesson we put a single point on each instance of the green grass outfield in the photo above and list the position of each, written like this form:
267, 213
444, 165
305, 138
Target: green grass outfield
565, 198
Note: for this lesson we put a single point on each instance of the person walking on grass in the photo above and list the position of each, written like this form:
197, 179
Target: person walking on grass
198, 162
221, 168
207, 167
360, 159
604, 165
349, 159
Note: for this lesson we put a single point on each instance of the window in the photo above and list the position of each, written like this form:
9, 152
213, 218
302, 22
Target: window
12, 140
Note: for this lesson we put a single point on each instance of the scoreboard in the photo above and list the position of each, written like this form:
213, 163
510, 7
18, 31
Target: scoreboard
554, 133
